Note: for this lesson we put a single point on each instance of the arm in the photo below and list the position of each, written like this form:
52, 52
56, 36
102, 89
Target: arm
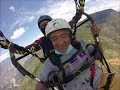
34, 47
3, 44
77, 16
43, 77
95, 30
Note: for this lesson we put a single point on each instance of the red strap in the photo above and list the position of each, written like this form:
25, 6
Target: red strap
93, 70
92, 75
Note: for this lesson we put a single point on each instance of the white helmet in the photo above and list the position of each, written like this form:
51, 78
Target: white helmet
56, 24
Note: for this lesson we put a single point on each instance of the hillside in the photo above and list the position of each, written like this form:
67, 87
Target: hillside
33, 66
109, 35
110, 31
108, 21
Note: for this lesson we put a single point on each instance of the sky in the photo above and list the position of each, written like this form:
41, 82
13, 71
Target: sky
18, 18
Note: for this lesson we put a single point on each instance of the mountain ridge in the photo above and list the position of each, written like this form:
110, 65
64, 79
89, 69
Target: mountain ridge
101, 16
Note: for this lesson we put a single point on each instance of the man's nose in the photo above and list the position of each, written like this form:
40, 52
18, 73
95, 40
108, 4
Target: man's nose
61, 41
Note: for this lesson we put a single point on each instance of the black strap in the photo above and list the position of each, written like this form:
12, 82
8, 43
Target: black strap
103, 58
55, 60
82, 22
108, 68
76, 45
94, 50
109, 80
75, 20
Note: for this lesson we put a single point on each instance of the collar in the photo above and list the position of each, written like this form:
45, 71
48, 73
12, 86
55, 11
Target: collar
68, 50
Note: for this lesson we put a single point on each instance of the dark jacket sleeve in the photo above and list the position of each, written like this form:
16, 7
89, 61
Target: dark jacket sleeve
34, 47
77, 16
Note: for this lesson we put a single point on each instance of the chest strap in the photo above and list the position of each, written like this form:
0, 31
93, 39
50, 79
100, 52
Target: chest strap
80, 70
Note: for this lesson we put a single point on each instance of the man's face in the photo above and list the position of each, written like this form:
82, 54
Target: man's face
44, 23
60, 40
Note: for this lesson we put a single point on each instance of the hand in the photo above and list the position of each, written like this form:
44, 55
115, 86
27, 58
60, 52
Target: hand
3, 44
95, 30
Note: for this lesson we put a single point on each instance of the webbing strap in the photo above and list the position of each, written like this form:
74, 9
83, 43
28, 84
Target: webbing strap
92, 74
109, 80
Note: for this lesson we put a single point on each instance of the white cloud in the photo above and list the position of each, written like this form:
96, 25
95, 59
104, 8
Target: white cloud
63, 9
4, 56
66, 8
114, 5
18, 33
12, 8
30, 18
100, 5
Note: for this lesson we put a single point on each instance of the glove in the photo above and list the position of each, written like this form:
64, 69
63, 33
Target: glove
3, 44
95, 30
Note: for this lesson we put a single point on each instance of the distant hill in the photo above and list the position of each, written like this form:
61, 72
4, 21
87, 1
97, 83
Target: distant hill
102, 16
4, 62
109, 20
9, 74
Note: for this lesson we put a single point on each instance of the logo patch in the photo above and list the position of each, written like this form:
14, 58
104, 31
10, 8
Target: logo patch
66, 66
74, 61
82, 54
56, 24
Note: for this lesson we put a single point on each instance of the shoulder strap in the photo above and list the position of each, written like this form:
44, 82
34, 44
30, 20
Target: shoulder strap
76, 45
94, 50
55, 60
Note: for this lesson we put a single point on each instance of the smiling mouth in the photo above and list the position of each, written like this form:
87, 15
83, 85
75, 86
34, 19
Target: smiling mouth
62, 48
